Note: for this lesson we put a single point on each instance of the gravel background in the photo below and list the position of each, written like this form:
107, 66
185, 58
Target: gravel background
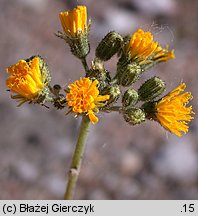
121, 162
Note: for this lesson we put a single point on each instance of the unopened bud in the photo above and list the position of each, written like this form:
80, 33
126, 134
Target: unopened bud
128, 74
130, 98
113, 91
134, 116
98, 72
56, 89
109, 46
151, 89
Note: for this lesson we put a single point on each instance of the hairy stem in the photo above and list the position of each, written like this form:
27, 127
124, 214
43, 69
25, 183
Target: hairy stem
77, 159
112, 109
85, 65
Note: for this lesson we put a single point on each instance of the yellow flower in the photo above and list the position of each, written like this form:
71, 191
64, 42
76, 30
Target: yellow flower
141, 46
163, 55
74, 22
84, 97
26, 79
172, 113
75, 31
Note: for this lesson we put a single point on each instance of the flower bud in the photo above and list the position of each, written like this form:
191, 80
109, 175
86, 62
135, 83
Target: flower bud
151, 89
129, 98
134, 116
98, 72
109, 46
76, 30
128, 74
113, 91
56, 89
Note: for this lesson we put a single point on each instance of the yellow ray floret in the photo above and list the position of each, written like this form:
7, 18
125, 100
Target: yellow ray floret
172, 112
25, 79
163, 55
74, 21
141, 46
84, 97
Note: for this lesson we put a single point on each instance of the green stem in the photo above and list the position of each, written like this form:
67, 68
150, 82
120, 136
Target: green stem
77, 159
85, 65
114, 81
112, 109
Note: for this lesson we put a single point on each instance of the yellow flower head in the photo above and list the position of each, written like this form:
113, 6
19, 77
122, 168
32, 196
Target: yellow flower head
84, 97
172, 113
141, 46
74, 22
26, 79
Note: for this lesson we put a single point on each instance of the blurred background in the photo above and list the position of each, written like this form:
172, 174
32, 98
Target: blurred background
121, 162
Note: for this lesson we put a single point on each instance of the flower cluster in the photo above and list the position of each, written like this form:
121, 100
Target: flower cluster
99, 90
